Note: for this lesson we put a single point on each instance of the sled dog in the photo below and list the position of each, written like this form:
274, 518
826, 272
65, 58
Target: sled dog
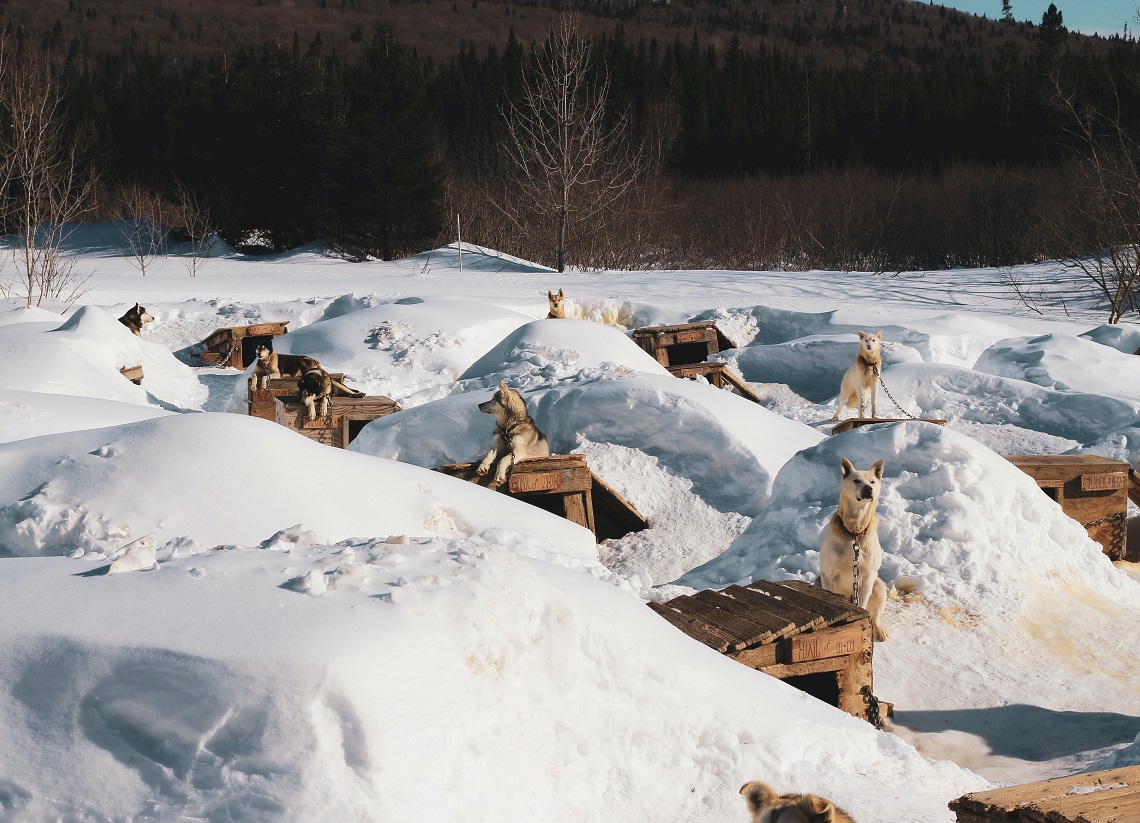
271, 365
863, 375
516, 436
768, 807
855, 524
316, 388
135, 319
557, 309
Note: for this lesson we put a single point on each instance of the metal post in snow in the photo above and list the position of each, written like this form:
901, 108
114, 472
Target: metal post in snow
459, 235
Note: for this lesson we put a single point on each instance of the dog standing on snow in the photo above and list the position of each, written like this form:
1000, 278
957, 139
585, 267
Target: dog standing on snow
138, 317
850, 555
516, 436
863, 375
768, 807
557, 307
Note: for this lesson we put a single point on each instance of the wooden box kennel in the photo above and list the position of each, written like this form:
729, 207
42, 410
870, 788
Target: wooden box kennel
346, 417
812, 639
682, 345
564, 485
236, 346
1092, 490
719, 375
133, 373
1109, 796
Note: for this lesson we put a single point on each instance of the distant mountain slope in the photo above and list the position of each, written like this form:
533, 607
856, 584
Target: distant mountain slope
833, 31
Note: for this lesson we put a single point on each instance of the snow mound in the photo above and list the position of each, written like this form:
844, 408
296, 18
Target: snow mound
728, 447
397, 349
608, 311
93, 491
813, 367
1065, 362
958, 394
1122, 444
382, 699
559, 348
25, 414
83, 356
1124, 337
474, 259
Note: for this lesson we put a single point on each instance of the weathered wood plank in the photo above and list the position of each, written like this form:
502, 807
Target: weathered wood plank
1054, 800
830, 607
784, 618
743, 630
1134, 487
820, 593
712, 636
855, 422
613, 515
837, 642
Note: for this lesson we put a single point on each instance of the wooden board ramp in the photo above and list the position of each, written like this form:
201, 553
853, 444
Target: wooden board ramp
564, 485
1092, 490
346, 417
856, 422
1109, 796
682, 344
235, 346
813, 639
719, 375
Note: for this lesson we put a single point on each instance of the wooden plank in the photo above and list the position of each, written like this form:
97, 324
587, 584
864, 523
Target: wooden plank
739, 386
534, 482
786, 670
1134, 487
837, 642
784, 618
1061, 468
830, 607
757, 657
1037, 795
575, 509
133, 373
855, 422
774, 624
712, 636
1104, 482
743, 630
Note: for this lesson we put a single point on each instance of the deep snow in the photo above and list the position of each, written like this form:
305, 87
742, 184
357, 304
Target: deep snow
203, 615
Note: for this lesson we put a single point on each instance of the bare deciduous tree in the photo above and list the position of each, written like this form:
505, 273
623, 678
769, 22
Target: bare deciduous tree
571, 157
142, 226
196, 221
45, 185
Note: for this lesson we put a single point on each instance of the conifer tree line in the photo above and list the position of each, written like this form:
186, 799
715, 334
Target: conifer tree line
744, 158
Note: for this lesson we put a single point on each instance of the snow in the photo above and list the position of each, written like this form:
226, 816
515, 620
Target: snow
205, 616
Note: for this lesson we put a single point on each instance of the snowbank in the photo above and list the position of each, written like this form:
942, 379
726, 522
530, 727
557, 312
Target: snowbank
728, 447
1065, 362
1124, 337
208, 479
25, 414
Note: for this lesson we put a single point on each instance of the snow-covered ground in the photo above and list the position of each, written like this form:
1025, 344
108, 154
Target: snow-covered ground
205, 616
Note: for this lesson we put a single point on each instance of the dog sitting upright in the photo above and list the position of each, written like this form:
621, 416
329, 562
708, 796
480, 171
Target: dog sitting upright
855, 524
516, 436
863, 375
557, 305
135, 319
317, 388
768, 807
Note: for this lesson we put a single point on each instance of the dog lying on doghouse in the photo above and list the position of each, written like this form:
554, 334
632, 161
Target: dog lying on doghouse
516, 436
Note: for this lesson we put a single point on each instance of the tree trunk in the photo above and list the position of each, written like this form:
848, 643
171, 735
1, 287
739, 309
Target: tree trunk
561, 240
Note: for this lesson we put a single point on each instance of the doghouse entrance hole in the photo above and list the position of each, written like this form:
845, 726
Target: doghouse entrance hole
1052, 492
249, 347
685, 354
354, 428
547, 502
821, 685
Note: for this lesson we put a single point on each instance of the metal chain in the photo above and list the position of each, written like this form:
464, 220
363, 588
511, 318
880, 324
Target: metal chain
892, 397
1119, 527
855, 573
874, 713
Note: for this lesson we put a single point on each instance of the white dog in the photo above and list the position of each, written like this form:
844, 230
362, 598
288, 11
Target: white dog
850, 556
863, 375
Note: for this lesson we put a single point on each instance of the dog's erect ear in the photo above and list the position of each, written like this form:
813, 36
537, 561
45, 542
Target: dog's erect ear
757, 795
503, 386
549, 294
816, 808
861, 334
879, 334
845, 464
138, 307
878, 469
559, 291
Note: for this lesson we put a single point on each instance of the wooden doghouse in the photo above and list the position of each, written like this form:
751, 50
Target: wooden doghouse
237, 346
133, 373
719, 375
564, 485
1092, 490
1109, 796
682, 345
346, 417
812, 639
855, 422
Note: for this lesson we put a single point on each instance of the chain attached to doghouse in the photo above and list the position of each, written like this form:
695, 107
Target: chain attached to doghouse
1119, 526
226, 359
874, 713
855, 572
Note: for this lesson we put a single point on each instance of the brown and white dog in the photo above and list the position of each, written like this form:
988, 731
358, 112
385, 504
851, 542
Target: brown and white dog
557, 305
516, 436
855, 524
768, 807
863, 375
135, 319
270, 365
317, 387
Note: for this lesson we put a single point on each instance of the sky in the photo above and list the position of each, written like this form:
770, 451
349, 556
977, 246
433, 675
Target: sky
1087, 16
